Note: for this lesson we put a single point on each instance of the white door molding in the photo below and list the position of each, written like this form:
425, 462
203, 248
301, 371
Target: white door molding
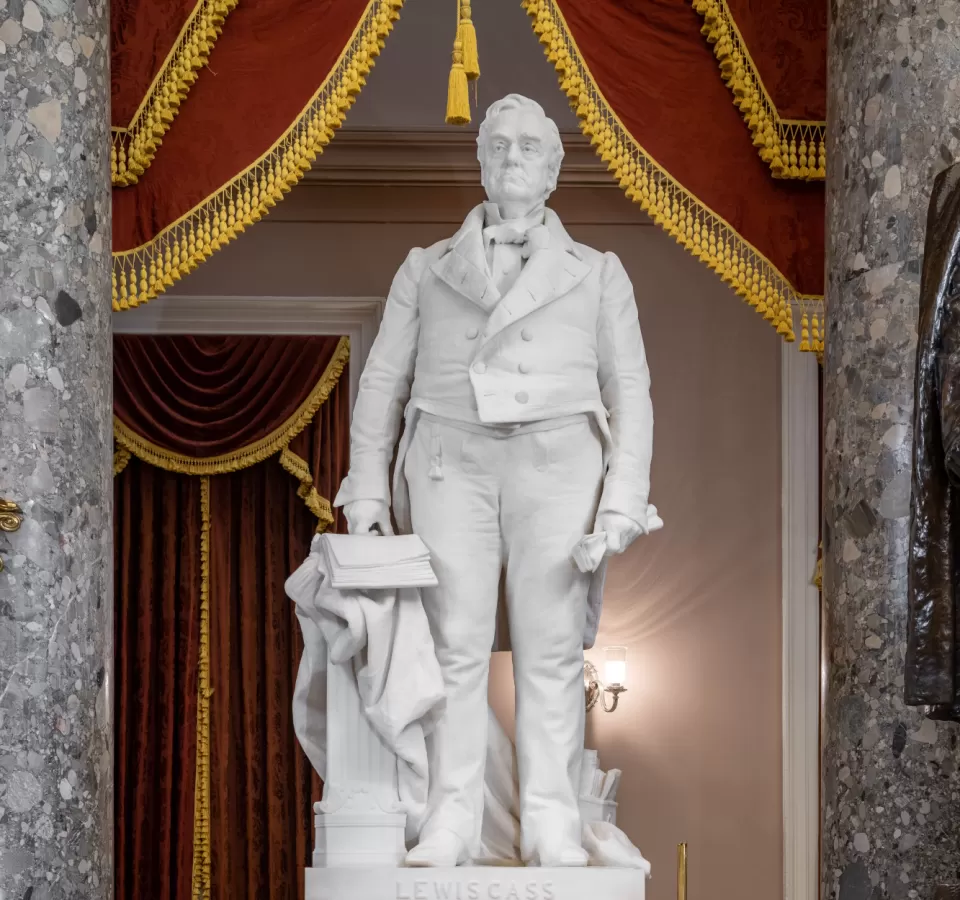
800, 479
358, 318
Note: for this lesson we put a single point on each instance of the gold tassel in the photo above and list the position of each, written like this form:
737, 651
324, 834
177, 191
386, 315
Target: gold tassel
468, 39
458, 99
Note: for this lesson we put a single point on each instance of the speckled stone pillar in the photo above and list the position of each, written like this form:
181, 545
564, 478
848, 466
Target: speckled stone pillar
891, 814
56, 608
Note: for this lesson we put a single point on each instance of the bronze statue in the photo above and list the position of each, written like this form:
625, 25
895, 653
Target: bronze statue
933, 640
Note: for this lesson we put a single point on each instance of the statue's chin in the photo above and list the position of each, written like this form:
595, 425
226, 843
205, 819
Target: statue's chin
515, 196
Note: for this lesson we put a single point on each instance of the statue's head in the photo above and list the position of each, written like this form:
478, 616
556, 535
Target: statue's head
520, 151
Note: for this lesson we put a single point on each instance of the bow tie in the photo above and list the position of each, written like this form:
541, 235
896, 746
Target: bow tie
530, 238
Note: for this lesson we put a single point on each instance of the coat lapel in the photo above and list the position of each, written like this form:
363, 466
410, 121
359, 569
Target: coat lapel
551, 272
464, 266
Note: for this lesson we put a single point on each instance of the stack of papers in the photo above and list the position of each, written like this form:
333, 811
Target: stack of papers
596, 783
372, 562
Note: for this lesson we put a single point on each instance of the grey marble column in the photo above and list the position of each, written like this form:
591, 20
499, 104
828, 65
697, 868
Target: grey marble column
56, 609
891, 814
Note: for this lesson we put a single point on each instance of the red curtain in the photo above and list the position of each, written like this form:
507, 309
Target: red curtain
261, 785
157, 616
271, 58
655, 69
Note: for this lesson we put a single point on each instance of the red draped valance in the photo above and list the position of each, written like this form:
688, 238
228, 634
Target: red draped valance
787, 42
678, 147
212, 396
707, 112
772, 56
279, 80
156, 54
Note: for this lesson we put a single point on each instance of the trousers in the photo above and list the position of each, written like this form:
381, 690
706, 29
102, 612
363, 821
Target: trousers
492, 505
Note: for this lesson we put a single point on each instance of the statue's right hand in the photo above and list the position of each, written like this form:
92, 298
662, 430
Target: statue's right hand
365, 516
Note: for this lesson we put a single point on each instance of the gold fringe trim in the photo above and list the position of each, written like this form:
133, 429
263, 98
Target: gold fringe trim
678, 212
144, 273
792, 148
201, 802
134, 147
319, 506
253, 453
120, 459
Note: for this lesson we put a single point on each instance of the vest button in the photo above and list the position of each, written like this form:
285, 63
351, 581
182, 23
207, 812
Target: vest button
522, 397
526, 335
523, 368
479, 368
472, 333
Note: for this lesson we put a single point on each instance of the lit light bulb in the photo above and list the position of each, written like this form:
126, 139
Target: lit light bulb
615, 667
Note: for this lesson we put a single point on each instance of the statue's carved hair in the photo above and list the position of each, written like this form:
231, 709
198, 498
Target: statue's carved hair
518, 101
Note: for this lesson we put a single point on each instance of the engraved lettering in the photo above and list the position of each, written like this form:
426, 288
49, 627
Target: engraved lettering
473, 890
445, 890
548, 890
532, 890
513, 895
401, 894
493, 891
420, 890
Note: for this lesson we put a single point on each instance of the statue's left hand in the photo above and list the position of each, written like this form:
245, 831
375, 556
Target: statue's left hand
621, 531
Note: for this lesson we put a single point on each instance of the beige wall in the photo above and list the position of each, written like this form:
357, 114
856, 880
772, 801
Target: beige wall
698, 605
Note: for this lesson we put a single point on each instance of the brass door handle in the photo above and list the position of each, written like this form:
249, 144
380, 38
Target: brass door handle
11, 518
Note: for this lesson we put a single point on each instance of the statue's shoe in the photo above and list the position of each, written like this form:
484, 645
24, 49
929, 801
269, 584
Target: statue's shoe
563, 855
441, 850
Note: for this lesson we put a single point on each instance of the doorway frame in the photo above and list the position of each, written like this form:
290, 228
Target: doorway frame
800, 628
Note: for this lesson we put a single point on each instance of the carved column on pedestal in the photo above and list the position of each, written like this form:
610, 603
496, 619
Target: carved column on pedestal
359, 821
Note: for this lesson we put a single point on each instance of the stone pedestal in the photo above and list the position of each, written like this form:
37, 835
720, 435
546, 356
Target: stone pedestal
359, 822
476, 883
56, 601
890, 777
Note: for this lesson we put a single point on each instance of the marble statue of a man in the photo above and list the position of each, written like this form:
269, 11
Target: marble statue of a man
514, 356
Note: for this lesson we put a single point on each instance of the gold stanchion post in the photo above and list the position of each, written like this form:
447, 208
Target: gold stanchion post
681, 872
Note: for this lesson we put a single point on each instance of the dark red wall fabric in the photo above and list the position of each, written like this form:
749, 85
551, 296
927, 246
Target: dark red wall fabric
787, 40
271, 59
208, 395
662, 80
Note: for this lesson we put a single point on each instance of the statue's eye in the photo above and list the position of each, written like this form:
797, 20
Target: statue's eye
500, 146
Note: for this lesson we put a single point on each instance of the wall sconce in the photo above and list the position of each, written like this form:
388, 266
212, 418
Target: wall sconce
614, 683
11, 517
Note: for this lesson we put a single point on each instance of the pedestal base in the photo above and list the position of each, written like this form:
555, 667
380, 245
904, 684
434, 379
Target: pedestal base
358, 839
475, 883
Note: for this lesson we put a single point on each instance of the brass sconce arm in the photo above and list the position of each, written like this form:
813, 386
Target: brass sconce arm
11, 518
594, 689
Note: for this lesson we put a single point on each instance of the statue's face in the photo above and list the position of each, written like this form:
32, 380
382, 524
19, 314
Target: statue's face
517, 158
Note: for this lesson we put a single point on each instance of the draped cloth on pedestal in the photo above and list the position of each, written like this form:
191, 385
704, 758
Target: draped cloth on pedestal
226, 450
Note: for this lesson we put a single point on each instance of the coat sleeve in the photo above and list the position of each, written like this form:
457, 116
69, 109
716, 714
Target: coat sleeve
384, 390
948, 378
625, 391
